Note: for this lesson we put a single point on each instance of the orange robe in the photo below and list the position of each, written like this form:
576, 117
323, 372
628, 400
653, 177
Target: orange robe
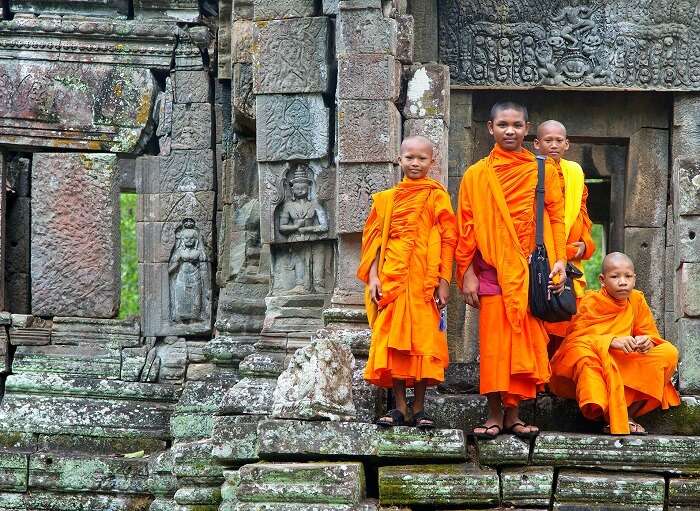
606, 382
419, 241
496, 216
580, 231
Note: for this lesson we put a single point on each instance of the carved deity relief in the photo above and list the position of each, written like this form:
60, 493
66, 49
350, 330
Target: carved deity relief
301, 218
188, 275
302, 268
572, 43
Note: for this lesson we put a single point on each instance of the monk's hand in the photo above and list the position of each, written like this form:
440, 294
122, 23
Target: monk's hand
442, 293
375, 288
557, 278
626, 344
644, 343
580, 249
470, 288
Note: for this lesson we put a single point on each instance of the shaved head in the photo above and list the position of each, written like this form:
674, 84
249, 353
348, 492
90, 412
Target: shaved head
417, 141
507, 105
549, 126
614, 258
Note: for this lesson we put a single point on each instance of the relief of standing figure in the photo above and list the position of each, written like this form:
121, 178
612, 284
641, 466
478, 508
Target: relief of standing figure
186, 273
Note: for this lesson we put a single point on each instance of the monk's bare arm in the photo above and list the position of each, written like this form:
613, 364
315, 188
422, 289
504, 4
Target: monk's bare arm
470, 287
554, 202
466, 244
375, 285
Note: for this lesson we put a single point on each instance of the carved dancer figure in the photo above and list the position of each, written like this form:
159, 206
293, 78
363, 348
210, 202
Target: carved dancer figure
613, 360
186, 273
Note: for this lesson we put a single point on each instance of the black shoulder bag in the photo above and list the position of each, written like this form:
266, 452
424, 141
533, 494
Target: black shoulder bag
544, 303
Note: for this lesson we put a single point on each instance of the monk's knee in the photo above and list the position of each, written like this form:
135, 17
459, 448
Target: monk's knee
668, 352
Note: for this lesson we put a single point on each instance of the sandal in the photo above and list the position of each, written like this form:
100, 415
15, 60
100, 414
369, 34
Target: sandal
485, 435
422, 420
634, 429
525, 435
391, 418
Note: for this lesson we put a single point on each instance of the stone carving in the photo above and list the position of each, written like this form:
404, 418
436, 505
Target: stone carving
243, 98
290, 56
147, 44
95, 107
368, 131
291, 127
276, 9
302, 268
181, 10
89, 7
571, 44
188, 274
317, 384
192, 126
75, 235
301, 218
366, 31
356, 184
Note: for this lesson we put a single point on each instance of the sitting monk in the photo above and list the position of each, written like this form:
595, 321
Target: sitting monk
613, 360
406, 261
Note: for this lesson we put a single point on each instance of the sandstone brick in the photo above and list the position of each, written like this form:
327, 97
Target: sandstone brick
428, 92
646, 184
355, 184
687, 192
647, 248
75, 229
529, 486
435, 130
689, 289
368, 76
639, 491
686, 133
687, 246
192, 126
276, 9
368, 131
689, 347
405, 34
191, 86
365, 31
243, 41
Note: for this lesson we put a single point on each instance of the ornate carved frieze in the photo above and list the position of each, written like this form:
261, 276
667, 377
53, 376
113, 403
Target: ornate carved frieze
592, 43
68, 105
91, 40
86, 7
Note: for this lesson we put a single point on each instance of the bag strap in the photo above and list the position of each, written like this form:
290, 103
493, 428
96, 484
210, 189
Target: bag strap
539, 202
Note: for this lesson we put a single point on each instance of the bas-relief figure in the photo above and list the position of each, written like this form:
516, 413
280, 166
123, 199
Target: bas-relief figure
301, 218
188, 274
571, 43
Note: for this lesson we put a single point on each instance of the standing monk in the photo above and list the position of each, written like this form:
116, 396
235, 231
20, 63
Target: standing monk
552, 141
407, 253
496, 222
613, 360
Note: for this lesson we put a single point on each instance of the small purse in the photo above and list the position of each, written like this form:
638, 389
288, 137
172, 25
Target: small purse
544, 303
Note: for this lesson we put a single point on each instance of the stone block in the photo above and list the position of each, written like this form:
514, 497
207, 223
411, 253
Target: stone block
689, 289
291, 127
224, 40
105, 333
639, 491
689, 348
428, 92
13, 471
314, 440
346, 5
17, 255
243, 41
405, 28
250, 396
668, 454
57, 501
302, 483
29, 336
290, 55
192, 126
684, 491
646, 183
503, 450
243, 99
117, 8
426, 33
528, 486
365, 31
180, 10
368, 76
278, 9
687, 191
191, 86
678, 420
242, 9
193, 463
647, 248
198, 497
75, 229
105, 445
71, 361
686, 133
161, 480
687, 246
235, 439
435, 130
438, 485
459, 411
368, 131
81, 473
18, 172
553, 413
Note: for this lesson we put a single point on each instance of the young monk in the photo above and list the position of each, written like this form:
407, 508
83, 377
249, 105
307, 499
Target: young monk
613, 360
407, 253
552, 141
496, 222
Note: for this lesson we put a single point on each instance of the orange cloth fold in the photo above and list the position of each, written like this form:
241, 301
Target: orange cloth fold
607, 381
496, 216
419, 250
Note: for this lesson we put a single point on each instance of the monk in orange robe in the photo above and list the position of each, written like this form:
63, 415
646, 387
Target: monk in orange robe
496, 222
613, 359
552, 141
406, 262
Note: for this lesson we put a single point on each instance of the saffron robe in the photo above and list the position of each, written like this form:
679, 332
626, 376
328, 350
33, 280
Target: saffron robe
577, 227
496, 217
418, 243
607, 381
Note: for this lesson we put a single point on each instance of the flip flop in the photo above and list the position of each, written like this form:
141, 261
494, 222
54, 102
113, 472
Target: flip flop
524, 435
395, 416
422, 417
485, 435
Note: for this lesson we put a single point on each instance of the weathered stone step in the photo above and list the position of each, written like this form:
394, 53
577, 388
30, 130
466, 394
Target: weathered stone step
72, 361
684, 491
669, 454
527, 486
438, 485
608, 489
54, 501
313, 440
302, 483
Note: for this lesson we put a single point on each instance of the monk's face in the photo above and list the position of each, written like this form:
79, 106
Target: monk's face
509, 128
416, 159
618, 279
552, 142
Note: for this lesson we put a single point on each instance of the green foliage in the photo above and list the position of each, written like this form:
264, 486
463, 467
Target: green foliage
592, 267
130, 267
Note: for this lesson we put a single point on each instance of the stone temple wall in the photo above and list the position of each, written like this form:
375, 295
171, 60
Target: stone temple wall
254, 133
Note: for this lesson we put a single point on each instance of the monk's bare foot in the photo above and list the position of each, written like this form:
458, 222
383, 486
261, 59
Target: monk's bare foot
518, 427
491, 428
636, 428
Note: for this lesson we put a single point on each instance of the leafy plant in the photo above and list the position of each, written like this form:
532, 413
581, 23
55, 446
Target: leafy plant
129, 260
